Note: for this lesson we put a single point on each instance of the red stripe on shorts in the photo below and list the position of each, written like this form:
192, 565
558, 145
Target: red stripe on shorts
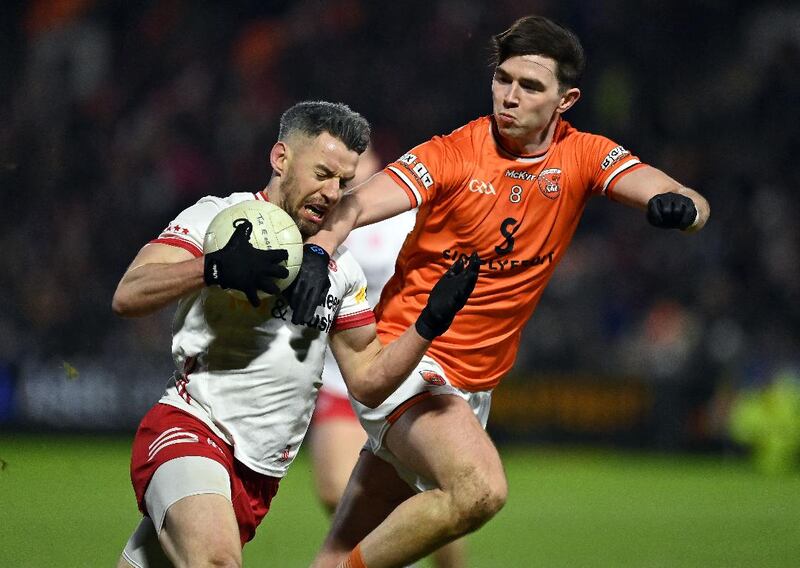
167, 432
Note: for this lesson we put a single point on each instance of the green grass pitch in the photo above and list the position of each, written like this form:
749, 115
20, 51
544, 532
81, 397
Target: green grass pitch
67, 501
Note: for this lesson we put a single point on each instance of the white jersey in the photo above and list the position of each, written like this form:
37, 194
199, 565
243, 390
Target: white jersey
249, 373
375, 247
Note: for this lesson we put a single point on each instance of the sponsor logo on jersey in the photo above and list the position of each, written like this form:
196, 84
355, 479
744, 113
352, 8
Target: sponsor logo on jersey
508, 234
432, 378
500, 264
549, 182
614, 156
361, 296
520, 174
407, 159
278, 308
484, 187
419, 169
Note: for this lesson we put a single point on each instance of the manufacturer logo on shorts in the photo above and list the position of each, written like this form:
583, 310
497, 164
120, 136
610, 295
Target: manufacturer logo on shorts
550, 182
433, 378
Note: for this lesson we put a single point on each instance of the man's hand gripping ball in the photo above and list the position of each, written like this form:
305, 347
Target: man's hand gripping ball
240, 266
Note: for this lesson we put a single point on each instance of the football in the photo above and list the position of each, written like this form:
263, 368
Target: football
272, 228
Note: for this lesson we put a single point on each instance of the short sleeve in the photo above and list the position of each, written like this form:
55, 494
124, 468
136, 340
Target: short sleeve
429, 169
605, 163
355, 310
188, 229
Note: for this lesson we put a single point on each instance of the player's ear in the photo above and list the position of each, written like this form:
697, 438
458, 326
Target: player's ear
568, 99
279, 157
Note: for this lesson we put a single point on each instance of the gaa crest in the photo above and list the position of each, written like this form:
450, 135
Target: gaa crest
432, 378
550, 182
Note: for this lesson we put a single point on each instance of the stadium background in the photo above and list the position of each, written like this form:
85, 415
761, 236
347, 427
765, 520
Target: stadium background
647, 347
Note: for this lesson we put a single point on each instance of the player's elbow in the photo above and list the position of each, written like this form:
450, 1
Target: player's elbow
367, 394
123, 303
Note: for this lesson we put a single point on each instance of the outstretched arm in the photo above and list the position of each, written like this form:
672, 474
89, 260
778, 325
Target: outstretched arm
669, 204
373, 371
376, 199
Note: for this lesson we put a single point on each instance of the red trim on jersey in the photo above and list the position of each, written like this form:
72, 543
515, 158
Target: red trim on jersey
181, 243
412, 199
621, 175
261, 196
357, 319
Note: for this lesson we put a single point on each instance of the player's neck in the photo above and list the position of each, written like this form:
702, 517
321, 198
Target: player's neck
534, 144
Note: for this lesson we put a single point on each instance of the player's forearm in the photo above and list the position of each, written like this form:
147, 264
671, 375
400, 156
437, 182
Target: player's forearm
700, 203
149, 287
390, 367
342, 219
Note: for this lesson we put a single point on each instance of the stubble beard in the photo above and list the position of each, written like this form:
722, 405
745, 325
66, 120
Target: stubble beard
307, 229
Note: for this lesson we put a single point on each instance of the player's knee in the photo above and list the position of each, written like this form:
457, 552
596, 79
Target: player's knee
216, 553
220, 557
477, 500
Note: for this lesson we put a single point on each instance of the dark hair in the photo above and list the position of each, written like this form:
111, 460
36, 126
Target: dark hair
535, 35
312, 118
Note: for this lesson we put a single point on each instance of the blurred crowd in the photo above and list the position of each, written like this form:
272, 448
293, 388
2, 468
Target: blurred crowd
115, 115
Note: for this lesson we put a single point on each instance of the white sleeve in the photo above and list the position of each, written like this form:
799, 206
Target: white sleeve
355, 310
188, 229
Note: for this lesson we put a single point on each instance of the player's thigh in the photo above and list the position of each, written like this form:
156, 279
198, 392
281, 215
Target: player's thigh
200, 527
441, 439
335, 446
143, 549
373, 492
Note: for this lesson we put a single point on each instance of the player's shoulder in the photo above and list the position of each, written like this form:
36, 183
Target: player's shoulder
343, 263
208, 206
477, 129
227, 201
568, 135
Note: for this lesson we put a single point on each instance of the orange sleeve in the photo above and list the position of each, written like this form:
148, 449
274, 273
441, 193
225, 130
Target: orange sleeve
432, 168
604, 162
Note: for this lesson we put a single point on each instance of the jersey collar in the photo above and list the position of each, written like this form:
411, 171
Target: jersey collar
529, 158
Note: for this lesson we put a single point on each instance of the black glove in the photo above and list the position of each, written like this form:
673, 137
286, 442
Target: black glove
671, 211
241, 266
311, 284
447, 297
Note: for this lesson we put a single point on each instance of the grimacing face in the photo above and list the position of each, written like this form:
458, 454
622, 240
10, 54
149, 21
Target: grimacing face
317, 172
525, 99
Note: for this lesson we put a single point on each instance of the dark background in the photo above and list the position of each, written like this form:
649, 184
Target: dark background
116, 115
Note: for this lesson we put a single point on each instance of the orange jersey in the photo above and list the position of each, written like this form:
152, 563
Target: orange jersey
518, 212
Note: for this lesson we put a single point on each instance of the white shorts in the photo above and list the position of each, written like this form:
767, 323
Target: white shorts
427, 379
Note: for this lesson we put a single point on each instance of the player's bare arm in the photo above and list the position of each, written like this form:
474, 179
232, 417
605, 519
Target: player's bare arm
645, 189
159, 275
373, 371
376, 199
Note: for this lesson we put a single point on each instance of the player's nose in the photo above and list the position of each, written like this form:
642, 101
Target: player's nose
331, 191
511, 96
